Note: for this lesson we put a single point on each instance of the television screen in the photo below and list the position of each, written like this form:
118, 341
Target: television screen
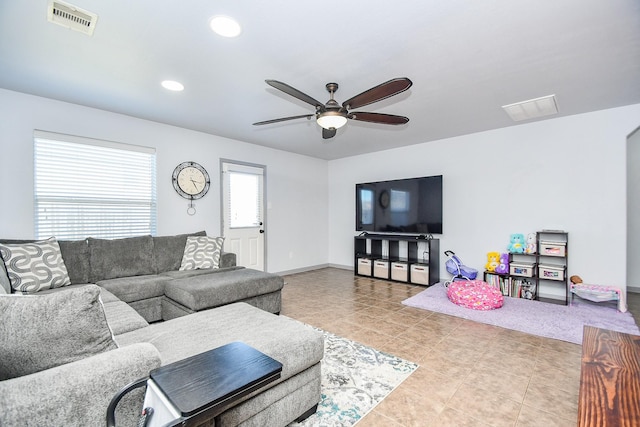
411, 205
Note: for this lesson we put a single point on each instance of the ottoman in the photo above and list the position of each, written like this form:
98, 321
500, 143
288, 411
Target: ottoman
192, 294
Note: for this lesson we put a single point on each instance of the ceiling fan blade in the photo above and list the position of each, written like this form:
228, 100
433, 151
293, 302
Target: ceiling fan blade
267, 122
378, 93
385, 119
294, 92
328, 133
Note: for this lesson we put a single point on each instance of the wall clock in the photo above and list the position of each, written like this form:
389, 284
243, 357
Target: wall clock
191, 181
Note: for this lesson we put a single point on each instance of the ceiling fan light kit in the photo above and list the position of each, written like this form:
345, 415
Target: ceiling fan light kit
332, 116
332, 119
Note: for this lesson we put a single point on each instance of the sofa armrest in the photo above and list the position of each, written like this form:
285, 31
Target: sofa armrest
227, 259
79, 393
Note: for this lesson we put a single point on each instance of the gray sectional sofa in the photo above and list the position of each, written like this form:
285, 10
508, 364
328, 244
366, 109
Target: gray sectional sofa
154, 314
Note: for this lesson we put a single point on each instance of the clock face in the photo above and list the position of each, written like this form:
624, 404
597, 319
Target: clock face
191, 180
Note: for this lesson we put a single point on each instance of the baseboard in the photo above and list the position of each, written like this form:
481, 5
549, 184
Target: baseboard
633, 289
342, 267
313, 267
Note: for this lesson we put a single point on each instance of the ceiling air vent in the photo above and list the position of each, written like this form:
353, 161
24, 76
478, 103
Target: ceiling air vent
71, 17
532, 108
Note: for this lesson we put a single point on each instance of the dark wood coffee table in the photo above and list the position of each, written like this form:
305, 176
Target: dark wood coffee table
205, 385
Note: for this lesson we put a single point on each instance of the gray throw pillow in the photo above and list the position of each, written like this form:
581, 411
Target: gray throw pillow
39, 332
202, 252
32, 267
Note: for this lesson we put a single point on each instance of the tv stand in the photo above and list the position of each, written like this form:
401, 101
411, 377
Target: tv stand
402, 258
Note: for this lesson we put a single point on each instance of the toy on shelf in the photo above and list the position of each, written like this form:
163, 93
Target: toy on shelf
503, 265
517, 242
493, 261
531, 244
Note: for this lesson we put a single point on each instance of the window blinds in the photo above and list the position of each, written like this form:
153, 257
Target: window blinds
86, 187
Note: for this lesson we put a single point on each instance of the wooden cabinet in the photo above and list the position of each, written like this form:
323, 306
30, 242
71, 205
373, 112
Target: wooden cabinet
399, 258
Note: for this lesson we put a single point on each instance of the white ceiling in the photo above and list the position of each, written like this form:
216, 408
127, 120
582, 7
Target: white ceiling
466, 59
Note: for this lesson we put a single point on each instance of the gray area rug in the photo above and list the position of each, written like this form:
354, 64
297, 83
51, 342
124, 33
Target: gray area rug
533, 317
355, 378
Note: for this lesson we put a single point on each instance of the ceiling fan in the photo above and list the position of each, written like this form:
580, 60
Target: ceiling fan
331, 116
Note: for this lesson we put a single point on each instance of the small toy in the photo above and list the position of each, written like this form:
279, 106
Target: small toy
575, 279
531, 244
493, 260
460, 271
503, 266
517, 243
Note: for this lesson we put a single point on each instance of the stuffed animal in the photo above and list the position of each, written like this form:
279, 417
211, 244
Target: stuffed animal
493, 260
531, 244
517, 244
575, 279
503, 266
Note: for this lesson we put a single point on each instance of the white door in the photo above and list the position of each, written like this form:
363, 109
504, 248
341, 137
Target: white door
243, 213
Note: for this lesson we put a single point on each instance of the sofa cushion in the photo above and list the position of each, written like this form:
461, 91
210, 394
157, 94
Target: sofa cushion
136, 288
35, 266
202, 252
38, 332
181, 274
122, 317
168, 250
5, 283
105, 295
222, 287
75, 254
113, 258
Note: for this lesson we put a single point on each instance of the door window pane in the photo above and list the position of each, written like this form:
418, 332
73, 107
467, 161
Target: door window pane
244, 200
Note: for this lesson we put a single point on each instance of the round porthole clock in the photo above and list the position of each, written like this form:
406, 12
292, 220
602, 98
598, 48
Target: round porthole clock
191, 181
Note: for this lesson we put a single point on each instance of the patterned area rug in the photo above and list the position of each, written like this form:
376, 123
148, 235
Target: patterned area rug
355, 378
561, 322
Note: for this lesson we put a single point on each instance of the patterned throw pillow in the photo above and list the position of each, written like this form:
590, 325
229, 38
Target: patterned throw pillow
32, 267
202, 252
39, 332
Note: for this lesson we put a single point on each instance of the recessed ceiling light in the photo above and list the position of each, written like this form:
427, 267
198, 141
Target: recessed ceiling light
225, 26
172, 85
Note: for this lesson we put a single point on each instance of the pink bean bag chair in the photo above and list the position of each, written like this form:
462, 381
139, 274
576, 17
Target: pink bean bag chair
475, 294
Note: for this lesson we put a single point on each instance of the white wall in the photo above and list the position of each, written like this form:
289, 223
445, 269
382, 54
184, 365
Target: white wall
565, 173
296, 185
633, 211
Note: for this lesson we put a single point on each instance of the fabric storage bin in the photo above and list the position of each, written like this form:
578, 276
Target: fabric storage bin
399, 271
521, 269
551, 272
553, 248
381, 269
364, 266
420, 274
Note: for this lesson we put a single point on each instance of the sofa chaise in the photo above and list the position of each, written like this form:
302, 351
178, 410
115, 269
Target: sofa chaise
82, 343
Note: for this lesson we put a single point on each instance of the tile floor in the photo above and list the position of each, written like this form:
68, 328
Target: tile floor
470, 374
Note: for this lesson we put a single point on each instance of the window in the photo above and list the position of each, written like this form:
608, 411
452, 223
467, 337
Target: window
244, 199
85, 187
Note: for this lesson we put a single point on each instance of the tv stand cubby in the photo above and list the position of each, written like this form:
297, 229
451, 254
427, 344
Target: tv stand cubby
397, 257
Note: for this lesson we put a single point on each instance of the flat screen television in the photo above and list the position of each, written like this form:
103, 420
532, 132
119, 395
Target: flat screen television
411, 206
